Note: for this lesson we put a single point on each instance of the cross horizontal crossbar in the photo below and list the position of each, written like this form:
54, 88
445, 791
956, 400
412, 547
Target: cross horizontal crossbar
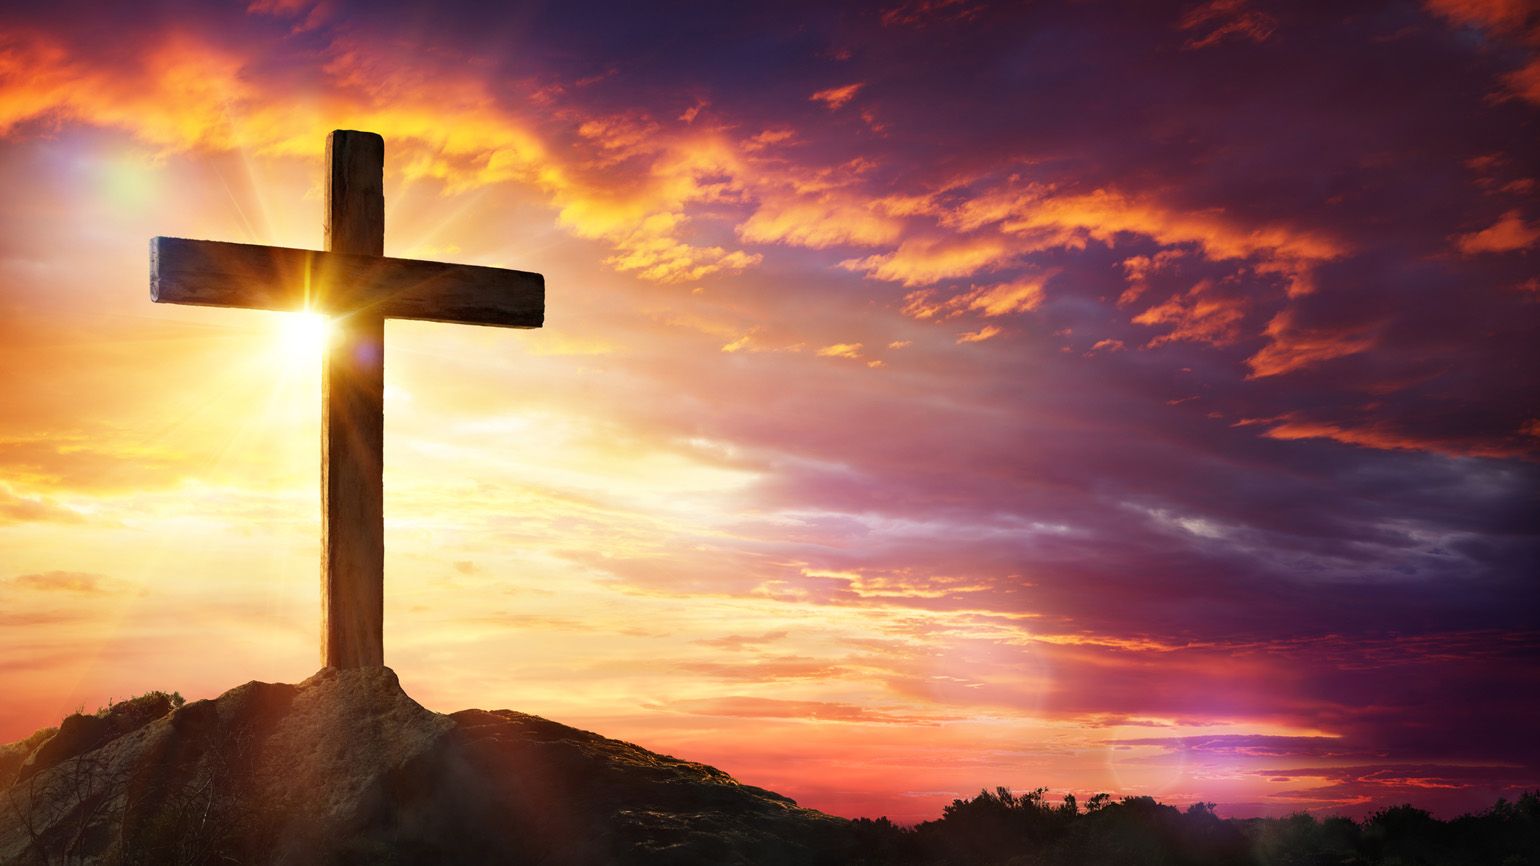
218, 274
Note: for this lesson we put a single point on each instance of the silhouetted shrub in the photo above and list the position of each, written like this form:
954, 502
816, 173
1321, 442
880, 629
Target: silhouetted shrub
1000, 828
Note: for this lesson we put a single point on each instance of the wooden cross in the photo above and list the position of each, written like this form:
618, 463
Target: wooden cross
355, 284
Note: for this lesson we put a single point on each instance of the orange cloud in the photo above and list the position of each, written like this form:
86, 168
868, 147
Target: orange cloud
176, 97
744, 641
923, 261
922, 304
919, 13
1198, 315
1032, 217
1223, 19
1510, 18
1139, 269
1499, 16
621, 136
1524, 82
689, 114
278, 7
1294, 348
1067, 220
84, 582
841, 350
996, 227
979, 336
1509, 233
1016, 296
1381, 437
817, 221
835, 98
773, 708
665, 259
32, 508
187, 94
766, 669
768, 138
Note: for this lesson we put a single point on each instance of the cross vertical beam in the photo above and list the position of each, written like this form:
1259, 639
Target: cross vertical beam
355, 284
353, 418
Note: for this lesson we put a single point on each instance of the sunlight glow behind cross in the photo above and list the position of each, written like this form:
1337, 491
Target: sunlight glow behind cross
302, 336
354, 280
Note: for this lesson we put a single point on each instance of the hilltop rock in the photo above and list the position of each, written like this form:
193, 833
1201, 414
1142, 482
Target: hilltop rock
346, 768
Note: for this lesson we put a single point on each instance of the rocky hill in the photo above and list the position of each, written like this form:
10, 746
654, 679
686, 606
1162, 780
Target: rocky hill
346, 768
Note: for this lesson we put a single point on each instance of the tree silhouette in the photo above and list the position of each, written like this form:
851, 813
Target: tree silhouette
1004, 828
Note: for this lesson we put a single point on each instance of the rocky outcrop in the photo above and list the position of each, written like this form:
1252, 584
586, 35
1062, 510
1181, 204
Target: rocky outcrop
346, 768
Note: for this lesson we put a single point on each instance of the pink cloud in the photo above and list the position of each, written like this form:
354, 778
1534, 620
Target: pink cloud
1510, 232
835, 98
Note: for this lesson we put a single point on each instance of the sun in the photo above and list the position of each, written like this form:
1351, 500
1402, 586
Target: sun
303, 334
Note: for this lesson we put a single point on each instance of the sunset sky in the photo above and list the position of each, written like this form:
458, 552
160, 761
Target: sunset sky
935, 394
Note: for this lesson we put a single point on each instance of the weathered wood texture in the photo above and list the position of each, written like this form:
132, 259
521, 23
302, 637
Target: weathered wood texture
353, 418
355, 193
219, 274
